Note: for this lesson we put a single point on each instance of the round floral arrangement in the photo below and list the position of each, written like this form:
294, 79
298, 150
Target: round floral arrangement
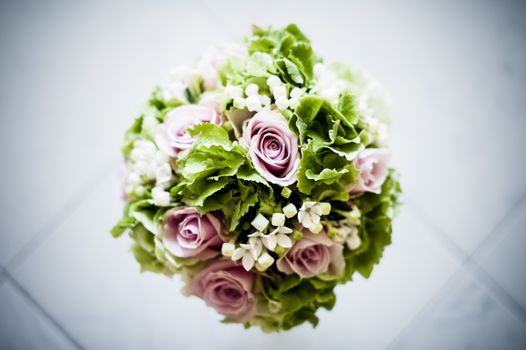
261, 175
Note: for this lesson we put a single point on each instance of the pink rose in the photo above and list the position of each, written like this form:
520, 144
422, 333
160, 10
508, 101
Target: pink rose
312, 255
227, 288
188, 234
272, 147
373, 166
172, 136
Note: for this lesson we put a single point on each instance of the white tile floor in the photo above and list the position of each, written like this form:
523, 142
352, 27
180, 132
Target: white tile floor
73, 75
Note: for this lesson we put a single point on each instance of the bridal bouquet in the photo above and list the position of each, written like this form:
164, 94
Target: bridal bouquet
261, 175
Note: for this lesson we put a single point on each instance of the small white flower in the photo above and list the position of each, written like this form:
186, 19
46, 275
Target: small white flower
252, 103
161, 198
161, 158
260, 223
163, 174
273, 81
279, 91
346, 232
294, 102
282, 103
136, 154
278, 219
296, 93
278, 237
243, 253
354, 241
309, 214
151, 170
232, 92
325, 208
290, 210
251, 90
355, 214
264, 100
239, 102
316, 228
141, 167
248, 253
264, 262
133, 178
256, 247
227, 249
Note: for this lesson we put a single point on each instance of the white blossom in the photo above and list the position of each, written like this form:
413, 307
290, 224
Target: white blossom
353, 242
309, 214
327, 83
251, 90
231, 92
316, 228
260, 223
227, 249
248, 253
325, 208
278, 219
264, 262
273, 81
278, 237
290, 210
163, 174
160, 197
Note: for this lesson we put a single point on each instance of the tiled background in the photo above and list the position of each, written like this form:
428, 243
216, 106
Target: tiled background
74, 73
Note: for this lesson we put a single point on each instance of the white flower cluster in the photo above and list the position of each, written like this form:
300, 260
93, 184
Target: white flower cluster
347, 230
256, 251
254, 102
310, 214
180, 78
328, 85
279, 91
379, 131
146, 164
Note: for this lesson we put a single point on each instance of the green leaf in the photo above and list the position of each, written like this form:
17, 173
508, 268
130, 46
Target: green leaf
144, 211
289, 72
132, 134
147, 261
347, 107
121, 226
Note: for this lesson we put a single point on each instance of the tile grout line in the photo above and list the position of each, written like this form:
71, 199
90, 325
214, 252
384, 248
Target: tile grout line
470, 265
47, 228
38, 308
438, 295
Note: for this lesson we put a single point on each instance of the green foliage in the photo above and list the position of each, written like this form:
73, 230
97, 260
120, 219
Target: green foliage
332, 139
297, 299
217, 174
375, 230
291, 50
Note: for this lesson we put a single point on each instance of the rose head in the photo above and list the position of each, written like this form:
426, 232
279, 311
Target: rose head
188, 234
312, 255
226, 287
172, 136
373, 166
272, 147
